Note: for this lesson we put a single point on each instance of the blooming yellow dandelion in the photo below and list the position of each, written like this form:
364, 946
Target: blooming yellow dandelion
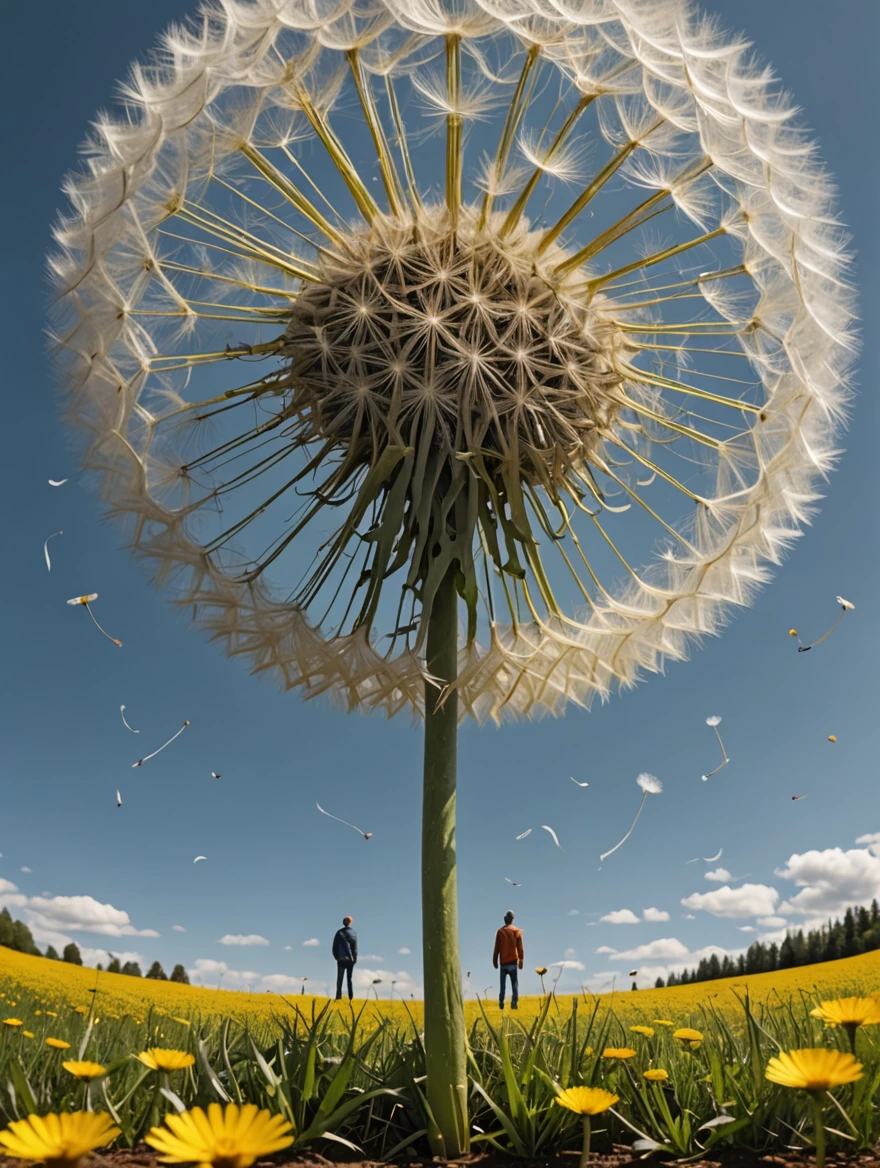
692, 1037
85, 1070
618, 1052
233, 1137
816, 1071
656, 1075
51, 1013
57, 1044
662, 1022
58, 1139
850, 1013
28, 1033
585, 1102
81, 1009
159, 1059
12, 1022
647, 1031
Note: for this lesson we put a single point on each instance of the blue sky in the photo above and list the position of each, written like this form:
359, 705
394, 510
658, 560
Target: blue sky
276, 869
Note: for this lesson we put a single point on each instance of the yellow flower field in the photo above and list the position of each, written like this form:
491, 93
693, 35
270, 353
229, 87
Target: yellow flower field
61, 987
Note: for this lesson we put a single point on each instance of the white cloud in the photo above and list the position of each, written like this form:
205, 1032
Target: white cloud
654, 914
370, 957
776, 937
772, 922
287, 948
563, 965
363, 982
750, 900
95, 957
83, 914
178, 929
719, 875
831, 880
574, 912
27, 871
242, 939
747, 928
620, 916
280, 982
571, 953
312, 943
872, 842
605, 949
664, 949
403, 951
207, 971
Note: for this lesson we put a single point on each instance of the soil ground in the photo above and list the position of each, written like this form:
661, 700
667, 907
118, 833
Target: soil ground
143, 1157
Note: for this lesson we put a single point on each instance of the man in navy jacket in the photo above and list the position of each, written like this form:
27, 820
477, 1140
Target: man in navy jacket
345, 950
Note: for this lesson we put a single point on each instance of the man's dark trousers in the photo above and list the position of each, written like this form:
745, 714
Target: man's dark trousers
509, 971
343, 969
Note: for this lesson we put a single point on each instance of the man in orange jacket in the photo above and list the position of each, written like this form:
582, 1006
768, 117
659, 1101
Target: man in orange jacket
509, 953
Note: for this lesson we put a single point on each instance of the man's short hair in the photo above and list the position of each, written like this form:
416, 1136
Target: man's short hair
346, 920
508, 917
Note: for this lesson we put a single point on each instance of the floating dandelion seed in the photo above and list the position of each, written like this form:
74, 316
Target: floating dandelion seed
118, 799
196, 860
714, 721
795, 798
513, 882
125, 723
57, 482
523, 835
712, 859
832, 737
468, 391
577, 784
554, 836
650, 785
147, 757
46, 550
366, 834
216, 775
86, 602
845, 607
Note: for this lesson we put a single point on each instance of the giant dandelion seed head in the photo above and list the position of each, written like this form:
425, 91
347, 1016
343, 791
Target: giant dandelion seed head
356, 300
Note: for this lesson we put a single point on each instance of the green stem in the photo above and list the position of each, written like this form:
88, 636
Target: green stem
818, 1128
445, 1044
585, 1151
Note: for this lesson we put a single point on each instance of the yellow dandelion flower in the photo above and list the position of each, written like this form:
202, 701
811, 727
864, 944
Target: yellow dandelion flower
848, 1012
618, 1052
540, 970
233, 1137
686, 1034
85, 1070
28, 1033
647, 1031
37, 1012
51, 1013
586, 1100
12, 1022
81, 1009
58, 1139
662, 1022
57, 1044
814, 1069
657, 1075
159, 1059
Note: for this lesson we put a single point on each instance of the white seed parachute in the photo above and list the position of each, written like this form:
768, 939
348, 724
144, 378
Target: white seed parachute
57, 482
714, 721
795, 798
86, 601
125, 724
555, 837
216, 775
513, 882
196, 860
845, 606
365, 834
650, 785
147, 757
118, 799
576, 783
46, 548
528, 831
712, 859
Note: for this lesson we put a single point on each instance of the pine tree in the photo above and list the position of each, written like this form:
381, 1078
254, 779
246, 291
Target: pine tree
850, 946
132, 969
179, 974
52, 953
72, 954
6, 929
787, 958
22, 939
114, 965
156, 972
659, 984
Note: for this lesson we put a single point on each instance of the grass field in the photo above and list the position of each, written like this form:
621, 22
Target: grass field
57, 984
357, 1076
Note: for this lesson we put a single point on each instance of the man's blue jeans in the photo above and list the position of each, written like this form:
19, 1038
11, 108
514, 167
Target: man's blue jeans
343, 968
509, 971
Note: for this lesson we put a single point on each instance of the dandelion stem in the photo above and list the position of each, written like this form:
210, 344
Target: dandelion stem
445, 1044
585, 1150
453, 128
818, 1127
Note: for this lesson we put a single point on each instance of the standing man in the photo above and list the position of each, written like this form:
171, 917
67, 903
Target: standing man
509, 952
345, 950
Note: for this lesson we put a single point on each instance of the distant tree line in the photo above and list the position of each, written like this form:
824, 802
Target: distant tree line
858, 932
16, 935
